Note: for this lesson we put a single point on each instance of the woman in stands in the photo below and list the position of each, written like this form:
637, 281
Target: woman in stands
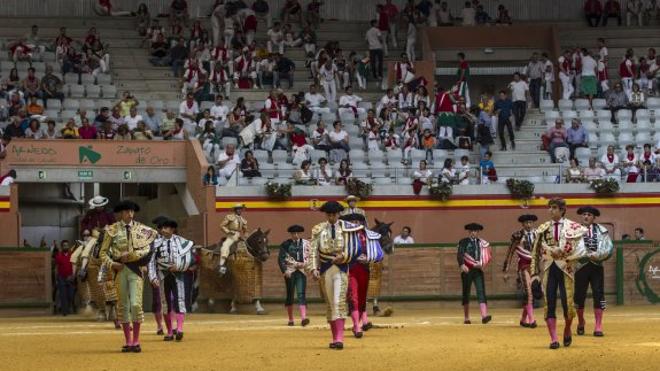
105, 8
143, 19
574, 173
344, 172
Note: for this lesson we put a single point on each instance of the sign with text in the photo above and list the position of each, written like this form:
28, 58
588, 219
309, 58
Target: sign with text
85, 174
92, 153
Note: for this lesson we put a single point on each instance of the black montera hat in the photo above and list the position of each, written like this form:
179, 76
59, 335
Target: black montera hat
127, 205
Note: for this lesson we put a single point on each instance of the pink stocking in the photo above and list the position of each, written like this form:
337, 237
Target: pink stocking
530, 313
333, 328
303, 312
340, 330
180, 317
598, 313
136, 333
365, 319
483, 307
289, 311
552, 329
355, 317
168, 323
580, 313
567, 326
127, 333
524, 318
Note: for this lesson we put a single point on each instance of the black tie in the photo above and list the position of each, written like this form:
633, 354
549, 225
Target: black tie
169, 249
128, 237
332, 232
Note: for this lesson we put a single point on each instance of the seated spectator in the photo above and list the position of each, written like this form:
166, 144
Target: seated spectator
348, 103
34, 108
635, 10
188, 110
303, 176
210, 178
637, 100
443, 14
611, 163
612, 10
488, 172
338, 137
448, 173
344, 172
576, 136
33, 131
124, 133
276, 39
105, 8
51, 86
481, 17
300, 149
202, 89
116, 118
616, 100
87, 131
647, 155
320, 138
594, 171
159, 51
405, 238
70, 131
179, 11
421, 177
227, 161
107, 132
13, 82
153, 122
284, 68
323, 174
574, 173
250, 166
593, 10
629, 164
141, 132
503, 17
468, 14
557, 135
31, 85
315, 101
291, 40
292, 9
653, 171
8, 179
132, 119
264, 70
463, 171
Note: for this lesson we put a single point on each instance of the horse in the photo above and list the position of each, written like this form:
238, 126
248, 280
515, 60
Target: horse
244, 267
376, 269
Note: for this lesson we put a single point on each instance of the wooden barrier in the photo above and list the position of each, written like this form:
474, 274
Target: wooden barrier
26, 279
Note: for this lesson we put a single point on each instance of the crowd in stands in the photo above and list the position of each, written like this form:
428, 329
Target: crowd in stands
638, 12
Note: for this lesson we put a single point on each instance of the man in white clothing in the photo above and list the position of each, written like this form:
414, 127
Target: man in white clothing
276, 39
328, 77
404, 238
519, 95
219, 111
375, 40
228, 161
348, 103
314, 100
132, 119
188, 110
565, 75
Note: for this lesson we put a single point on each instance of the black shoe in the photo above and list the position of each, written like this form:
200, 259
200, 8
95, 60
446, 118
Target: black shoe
304, 322
290, 323
168, 338
367, 326
339, 345
332, 345
160, 332
532, 325
467, 322
174, 332
358, 335
376, 310
580, 330
523, 324
568, 340
554, 345
486, 319
179, 336
136, 349
126, 349
598, 334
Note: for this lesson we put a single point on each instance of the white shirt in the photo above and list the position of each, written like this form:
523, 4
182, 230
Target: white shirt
589, 66
193, 110
607, 164
219, 112
518, 91
405, 100
412, 32
132, 122
468, 16
323, 139
7, 181
603, 52
373, 38
337, 136
275, 36
314, 100
328, 74
231, 164
398, 240
350, 100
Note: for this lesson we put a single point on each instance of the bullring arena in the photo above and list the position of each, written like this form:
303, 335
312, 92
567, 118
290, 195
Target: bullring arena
295, 184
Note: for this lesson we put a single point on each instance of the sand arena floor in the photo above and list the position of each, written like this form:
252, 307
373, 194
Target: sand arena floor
418, 336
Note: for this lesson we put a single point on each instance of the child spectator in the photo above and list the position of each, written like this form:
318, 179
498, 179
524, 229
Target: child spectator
488, 172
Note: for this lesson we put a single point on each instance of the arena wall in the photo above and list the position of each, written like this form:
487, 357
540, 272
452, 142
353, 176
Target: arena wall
25, 274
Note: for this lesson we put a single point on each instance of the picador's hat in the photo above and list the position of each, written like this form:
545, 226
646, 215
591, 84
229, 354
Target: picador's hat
353, 217
127, 205
588, 209
97, 202
332, 207
527, 218
238, 206
296, 229
474, 227
350, 198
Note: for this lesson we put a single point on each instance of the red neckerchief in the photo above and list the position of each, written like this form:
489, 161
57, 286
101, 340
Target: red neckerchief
610, 158
631, 156
647, 155
371, 121
190, 104
320, 130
